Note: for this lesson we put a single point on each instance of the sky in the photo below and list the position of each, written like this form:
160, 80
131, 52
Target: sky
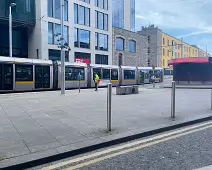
190, 19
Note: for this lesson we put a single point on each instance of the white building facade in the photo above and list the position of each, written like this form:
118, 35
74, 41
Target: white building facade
87, 30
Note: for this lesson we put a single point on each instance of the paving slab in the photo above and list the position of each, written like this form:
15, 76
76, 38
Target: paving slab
41, 124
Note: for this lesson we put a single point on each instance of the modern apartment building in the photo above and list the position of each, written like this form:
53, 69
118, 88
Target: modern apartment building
163, 47
129, 48
87, 29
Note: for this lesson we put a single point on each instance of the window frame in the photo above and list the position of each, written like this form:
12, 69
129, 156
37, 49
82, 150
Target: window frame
19, 79
129, 46
120, 49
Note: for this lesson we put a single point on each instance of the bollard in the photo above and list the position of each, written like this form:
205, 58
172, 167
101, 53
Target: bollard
153, 83
109, 97
173, 99
211, 99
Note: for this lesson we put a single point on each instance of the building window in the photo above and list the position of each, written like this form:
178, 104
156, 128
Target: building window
118, 13
57, 9
54, 9
163, 52
163, 62
102, 4
81, 38
81, 15
101, 59
101, 20
76, 41
178, 55
55, 55
50, 8
132, 15
132, 46
50, 33
163, 41
119, 44
148, 50
79, 55
168, 42
54, 31
168, 52
148, 39
96, 41
86, 1
101, 42
75, 13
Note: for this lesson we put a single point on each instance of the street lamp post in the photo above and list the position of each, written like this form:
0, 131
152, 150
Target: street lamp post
10, 27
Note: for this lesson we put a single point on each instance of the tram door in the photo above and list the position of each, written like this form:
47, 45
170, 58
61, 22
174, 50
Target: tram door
42, 77
6, 77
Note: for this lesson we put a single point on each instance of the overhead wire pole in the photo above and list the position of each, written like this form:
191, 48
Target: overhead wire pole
62, 50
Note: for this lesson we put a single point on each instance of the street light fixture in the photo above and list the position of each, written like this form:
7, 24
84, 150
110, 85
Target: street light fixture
10, 27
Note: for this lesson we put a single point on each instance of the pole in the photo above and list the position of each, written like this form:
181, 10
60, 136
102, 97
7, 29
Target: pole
154, 78
10, 31
173, 99
109, 98
62, 50
79, 81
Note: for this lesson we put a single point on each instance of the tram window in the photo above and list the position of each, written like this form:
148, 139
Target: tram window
24, 73
129, 74
114, 74
106, 74
72, 73
97, 71
146, 75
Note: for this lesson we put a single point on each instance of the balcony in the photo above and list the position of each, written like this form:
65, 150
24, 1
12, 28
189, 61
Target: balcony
23, 13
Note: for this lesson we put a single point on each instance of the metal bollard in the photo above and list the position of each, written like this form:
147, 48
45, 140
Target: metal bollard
154, 84
173, 99
109, 97
211, 99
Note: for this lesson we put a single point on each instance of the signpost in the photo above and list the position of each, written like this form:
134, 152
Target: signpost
153, 76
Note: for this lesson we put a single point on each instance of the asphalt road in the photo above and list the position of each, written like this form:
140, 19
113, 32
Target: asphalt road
182, 149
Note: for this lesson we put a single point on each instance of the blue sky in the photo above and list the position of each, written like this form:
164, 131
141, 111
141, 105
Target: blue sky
190, 19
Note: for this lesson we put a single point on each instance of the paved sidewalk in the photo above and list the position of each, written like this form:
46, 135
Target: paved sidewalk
40, 124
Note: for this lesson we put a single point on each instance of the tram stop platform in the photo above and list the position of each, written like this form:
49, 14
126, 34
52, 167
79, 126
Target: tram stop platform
35, 125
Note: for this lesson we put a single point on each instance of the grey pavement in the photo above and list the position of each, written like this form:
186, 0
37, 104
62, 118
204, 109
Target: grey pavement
39, 124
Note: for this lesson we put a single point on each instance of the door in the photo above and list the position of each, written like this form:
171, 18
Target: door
7, 76
141, 78
42, 77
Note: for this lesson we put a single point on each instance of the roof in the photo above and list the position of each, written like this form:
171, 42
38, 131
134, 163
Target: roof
189, 60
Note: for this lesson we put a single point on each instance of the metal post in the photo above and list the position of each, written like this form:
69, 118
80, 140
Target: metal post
10, 30
173, 99
154, 78
79, 81
62, 50
109, 98
211, 99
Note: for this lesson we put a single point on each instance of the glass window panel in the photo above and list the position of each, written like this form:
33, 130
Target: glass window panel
119, 44
96, 3
76, 43
75, 13
82, 15
132, 46
101, 59
114, 74
50, 33
84, 39
87, 16
66, 38
101, 4
96, 41
118, 13
101, 21
72, 73
101, 41
96, 19
57, 9
58, 32
106, 4
106, 22
106, 43
66, 10
23, 72
106, 74
50, 8
129, 74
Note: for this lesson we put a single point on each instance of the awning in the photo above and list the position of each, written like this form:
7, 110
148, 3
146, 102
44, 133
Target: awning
189, 60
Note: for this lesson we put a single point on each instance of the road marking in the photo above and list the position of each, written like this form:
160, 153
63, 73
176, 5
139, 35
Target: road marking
52, 167
134, 149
